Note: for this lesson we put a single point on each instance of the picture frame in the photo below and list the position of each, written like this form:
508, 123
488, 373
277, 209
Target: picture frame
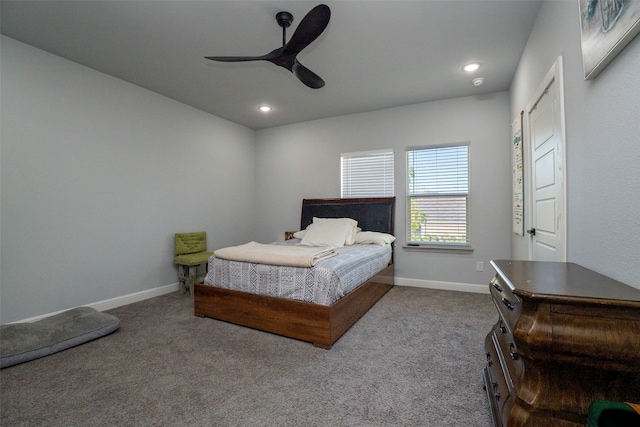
517, 183
606, 27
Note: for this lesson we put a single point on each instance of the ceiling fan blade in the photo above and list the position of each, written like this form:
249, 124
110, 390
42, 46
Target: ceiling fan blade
307, 76
309, 29
268, 57
233, 58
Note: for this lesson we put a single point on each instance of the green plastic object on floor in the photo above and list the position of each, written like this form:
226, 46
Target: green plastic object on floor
608, 413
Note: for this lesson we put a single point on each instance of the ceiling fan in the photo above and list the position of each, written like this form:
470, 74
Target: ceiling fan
309, 29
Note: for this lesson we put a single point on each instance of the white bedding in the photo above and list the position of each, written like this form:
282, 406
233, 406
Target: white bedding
287, 255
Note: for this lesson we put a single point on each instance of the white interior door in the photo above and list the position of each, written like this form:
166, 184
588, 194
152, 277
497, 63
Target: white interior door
546, 131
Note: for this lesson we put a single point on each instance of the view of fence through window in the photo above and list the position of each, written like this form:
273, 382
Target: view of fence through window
438, 195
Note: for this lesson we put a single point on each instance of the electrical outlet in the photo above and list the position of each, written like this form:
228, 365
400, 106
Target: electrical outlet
480, 266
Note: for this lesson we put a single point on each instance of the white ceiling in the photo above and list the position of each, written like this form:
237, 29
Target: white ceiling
373, 54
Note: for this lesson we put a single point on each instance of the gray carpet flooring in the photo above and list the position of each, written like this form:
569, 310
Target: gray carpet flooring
415, 359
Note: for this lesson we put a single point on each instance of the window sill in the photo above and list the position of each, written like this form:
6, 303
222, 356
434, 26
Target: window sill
440, 248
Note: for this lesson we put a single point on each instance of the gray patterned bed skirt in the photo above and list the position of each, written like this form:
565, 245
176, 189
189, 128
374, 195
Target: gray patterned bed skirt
324, 283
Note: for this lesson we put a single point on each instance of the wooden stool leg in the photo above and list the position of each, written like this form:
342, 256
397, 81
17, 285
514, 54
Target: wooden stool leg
192, 277
181, 278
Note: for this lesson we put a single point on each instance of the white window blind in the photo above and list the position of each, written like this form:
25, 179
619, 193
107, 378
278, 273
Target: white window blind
438, 195
367, 174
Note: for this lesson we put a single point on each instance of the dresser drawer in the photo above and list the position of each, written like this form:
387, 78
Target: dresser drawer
506, 302
496, 413
497, 389
508, 352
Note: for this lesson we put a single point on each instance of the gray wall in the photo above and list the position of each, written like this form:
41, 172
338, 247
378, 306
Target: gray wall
303, 161
97, 175
603, 143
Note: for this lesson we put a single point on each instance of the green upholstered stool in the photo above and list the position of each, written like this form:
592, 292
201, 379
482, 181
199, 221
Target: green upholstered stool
191, 251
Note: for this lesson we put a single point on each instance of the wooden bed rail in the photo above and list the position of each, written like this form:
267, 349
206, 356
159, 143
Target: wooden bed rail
318, 324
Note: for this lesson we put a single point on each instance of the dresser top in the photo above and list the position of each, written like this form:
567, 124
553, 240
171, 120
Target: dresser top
564, 283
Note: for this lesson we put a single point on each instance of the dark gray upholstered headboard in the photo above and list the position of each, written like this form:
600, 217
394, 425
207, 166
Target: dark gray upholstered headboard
372, 214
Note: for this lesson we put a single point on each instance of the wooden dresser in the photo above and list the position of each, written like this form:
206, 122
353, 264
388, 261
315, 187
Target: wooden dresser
565, 336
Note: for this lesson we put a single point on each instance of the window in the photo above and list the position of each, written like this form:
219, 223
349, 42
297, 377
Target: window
367, 174
438, 195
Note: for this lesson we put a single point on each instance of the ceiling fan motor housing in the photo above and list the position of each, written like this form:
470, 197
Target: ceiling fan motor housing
284, 19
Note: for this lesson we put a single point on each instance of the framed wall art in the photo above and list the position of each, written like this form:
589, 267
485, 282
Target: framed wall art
518, 178
606, 27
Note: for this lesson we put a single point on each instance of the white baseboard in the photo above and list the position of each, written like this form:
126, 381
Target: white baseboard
447, 286
117, 301
135, 297
155, 292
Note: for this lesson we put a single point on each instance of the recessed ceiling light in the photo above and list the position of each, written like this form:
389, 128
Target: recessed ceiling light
477, 81
471, 67
265, 108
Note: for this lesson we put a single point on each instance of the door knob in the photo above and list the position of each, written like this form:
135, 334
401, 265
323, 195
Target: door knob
532, 231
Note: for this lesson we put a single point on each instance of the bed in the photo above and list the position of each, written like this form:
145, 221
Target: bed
318, 323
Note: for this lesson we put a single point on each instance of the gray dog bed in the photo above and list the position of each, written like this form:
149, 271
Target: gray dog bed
21, 342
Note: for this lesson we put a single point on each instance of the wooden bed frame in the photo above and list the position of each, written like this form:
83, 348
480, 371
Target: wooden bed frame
319, 324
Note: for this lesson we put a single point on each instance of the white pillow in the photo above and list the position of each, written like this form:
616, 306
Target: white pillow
374, 238
299, 234
350, 240
326, 233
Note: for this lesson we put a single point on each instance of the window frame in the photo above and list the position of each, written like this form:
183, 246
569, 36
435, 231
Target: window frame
431, 245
